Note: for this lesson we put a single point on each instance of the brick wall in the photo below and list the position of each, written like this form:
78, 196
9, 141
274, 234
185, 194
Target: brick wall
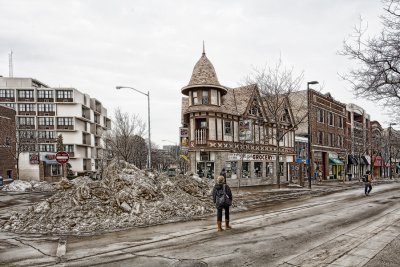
8, 132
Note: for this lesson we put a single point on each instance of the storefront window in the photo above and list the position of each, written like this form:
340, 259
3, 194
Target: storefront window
270, 169
55, 169
258, 169
231, 169
246, 170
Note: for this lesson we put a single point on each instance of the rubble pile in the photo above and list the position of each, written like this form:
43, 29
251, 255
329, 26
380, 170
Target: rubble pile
125, 197
27, 186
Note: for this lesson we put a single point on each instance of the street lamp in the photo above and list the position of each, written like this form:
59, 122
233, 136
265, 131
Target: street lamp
309, 132
148, 120
390, 149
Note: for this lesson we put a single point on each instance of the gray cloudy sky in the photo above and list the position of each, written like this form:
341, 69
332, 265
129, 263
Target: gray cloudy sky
94, 45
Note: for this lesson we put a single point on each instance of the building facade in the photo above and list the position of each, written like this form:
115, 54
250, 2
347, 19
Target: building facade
326, 130
377, 147
358, 140
7, 143
228, 128
44, 112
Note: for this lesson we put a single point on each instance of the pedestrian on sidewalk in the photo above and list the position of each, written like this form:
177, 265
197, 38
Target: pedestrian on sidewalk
220, 191
223, 173
367, 179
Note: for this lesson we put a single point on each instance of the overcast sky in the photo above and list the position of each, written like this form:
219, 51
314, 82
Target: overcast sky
153, 45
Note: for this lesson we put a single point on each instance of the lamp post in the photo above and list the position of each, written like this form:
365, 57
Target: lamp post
148, 120
309, 131
390, 149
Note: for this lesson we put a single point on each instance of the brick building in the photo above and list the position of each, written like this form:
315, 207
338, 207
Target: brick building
229, 128
327, 124
7, 143
358, 140
377, 147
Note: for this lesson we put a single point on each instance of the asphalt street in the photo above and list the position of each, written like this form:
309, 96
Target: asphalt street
333, 225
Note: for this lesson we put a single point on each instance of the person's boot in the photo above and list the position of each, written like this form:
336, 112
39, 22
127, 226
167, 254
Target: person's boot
227, 226
219, 224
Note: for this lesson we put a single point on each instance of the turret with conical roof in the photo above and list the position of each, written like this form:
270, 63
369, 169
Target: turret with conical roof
204, 79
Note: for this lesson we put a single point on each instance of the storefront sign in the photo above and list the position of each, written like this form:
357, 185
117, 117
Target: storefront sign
184, 138
253, 157
48, 158
245, 130
34, 158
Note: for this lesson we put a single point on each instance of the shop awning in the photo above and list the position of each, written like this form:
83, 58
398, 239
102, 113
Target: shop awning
364, 160
352, 160
398, 166
333, 161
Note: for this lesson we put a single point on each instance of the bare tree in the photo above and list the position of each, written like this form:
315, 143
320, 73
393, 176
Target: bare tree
377, 75
285, 107
126, 137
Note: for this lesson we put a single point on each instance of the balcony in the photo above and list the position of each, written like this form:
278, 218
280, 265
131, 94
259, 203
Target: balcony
46, 127
65, 100
47, 140
201, 137
27, 113
71, 154
46, 113
7, 99
26, 99
65, 127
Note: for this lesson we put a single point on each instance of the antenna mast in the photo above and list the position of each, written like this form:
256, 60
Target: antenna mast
10, 65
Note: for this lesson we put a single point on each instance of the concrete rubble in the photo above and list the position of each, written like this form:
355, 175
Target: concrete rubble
125, 197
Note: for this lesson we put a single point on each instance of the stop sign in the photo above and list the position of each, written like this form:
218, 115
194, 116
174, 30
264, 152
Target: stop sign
62, 157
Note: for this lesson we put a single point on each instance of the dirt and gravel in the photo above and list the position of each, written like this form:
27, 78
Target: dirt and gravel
125, 197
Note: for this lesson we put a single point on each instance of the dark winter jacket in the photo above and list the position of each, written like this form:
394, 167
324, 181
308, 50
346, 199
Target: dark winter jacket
218, 190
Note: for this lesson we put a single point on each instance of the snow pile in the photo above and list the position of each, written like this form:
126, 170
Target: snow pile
126, 197
24, 186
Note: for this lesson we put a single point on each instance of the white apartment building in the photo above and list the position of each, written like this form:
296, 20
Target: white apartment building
44, 112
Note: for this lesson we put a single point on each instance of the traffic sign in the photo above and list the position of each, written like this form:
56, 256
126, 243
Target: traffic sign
62, 157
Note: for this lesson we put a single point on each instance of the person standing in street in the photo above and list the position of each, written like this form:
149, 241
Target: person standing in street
367, 183
223, 173
219, 190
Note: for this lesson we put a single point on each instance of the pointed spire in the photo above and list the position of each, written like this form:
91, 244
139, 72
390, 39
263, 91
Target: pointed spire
204, 50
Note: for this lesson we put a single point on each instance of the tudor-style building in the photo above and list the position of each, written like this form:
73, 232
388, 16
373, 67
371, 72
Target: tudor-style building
224, 127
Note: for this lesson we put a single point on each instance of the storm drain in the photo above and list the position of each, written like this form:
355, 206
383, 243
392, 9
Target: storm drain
190, 263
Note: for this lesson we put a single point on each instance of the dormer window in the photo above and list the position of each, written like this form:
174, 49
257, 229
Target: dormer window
254, 110
200, 97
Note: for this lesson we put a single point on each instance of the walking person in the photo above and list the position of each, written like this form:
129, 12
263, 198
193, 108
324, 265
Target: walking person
222, 197
367, 183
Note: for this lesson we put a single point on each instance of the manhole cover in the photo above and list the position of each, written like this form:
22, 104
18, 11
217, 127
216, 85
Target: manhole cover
190, 263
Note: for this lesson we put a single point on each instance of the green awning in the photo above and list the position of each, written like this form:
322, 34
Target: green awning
333, 161
398, 166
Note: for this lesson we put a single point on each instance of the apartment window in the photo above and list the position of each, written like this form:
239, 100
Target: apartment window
195, 99
6, 93
10, 105
254, 110
45, 94
205, 97
320, 138
46, 107
340, 122
26, 107
228, 127
64, 94
340, 141
26, 121
331, 119
27, 134
331, 138
320, 115
64, 121
46, 135
25, 94
46, 121
69, 148
46, 148
7, 141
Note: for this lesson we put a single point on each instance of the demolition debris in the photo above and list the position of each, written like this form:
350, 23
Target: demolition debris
125, 197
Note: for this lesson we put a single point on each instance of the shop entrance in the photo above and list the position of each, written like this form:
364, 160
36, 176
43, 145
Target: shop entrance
246, 170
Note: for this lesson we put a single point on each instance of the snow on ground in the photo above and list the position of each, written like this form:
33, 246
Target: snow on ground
125, 197
25, 186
